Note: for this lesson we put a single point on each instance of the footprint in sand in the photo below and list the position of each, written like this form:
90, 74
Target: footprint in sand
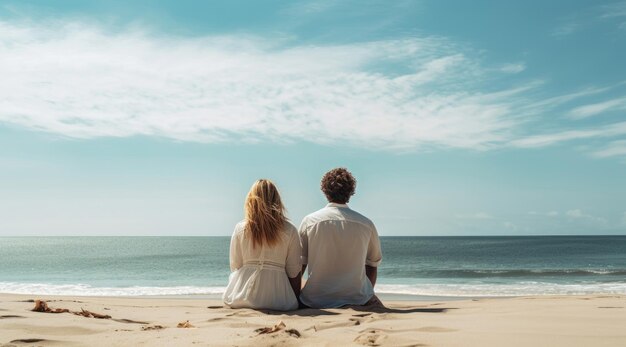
10, 316
152, 327
331, 325
244, 314
371, 337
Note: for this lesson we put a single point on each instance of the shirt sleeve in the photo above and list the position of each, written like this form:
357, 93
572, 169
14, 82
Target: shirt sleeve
236, 258
374, 253
293, 266
304, 243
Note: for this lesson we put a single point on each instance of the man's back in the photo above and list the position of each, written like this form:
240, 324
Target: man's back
337, 244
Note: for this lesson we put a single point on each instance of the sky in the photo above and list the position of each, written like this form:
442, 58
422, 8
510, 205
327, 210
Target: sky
456, 117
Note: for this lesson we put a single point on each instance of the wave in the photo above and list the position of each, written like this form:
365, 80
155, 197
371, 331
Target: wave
424, 289
457, 273
87, 290
510, 289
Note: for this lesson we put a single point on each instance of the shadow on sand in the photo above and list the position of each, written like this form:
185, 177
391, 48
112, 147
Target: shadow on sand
376, 307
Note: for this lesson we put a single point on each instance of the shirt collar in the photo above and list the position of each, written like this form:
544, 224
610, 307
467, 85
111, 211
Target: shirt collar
334, 204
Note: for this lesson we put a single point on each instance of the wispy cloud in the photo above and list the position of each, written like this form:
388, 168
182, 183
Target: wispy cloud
513, 68
82, 81
614, 14
615, 148
547, 214
614, 10
478, 215
603, 131
598, 108
579, 214
566, 29
310, 7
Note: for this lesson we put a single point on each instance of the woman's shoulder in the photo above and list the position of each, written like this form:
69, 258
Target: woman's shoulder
240, 227
289, 228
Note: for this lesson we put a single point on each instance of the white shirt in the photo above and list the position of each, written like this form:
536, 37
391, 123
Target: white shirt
337, 243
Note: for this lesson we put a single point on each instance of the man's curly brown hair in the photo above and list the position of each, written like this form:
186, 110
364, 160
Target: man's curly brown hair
338, 185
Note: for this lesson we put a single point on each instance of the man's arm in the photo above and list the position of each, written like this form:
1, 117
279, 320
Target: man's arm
304, 245
374, 256
371, 273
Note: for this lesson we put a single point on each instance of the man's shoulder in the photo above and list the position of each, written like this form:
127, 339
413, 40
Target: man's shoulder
315, 217
358, 218
327, 214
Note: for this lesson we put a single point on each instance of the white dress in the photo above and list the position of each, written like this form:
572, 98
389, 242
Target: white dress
258, 276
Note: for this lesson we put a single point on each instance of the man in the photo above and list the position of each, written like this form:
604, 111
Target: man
340, 247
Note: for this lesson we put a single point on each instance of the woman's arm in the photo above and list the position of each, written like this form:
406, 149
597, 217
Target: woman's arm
296, 284
236, 258
293, 263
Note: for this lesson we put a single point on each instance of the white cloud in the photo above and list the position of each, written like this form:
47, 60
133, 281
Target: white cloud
513, 68
588, 18
609, 130
509, 225
575, 213
310, 7
615, 148
597, 108
547, 214
579, 214
614, 10
566, 29
82, 81
478, 215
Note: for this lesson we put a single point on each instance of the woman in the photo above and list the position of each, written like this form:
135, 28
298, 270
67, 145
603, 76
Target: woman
264, 254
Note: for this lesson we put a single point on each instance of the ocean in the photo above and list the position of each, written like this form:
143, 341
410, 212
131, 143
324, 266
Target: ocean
412, 266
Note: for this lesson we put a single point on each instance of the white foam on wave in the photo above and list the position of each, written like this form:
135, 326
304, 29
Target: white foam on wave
87, 290
512, 289
424, 289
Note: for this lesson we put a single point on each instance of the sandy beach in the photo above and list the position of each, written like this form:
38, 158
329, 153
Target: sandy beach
522, 321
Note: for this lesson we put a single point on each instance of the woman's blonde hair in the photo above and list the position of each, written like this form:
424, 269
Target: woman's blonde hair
265, 213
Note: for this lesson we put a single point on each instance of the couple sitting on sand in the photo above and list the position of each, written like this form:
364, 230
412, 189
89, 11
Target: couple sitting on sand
268, 255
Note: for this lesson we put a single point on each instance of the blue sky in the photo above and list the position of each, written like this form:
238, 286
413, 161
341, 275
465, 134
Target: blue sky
456, 117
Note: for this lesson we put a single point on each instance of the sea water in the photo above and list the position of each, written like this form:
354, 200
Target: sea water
416, 266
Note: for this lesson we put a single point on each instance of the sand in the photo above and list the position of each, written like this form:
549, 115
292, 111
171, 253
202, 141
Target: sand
525, 321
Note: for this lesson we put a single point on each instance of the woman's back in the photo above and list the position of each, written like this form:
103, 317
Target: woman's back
264, 250
285, 253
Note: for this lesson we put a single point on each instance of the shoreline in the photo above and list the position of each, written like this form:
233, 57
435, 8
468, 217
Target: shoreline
577, 320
